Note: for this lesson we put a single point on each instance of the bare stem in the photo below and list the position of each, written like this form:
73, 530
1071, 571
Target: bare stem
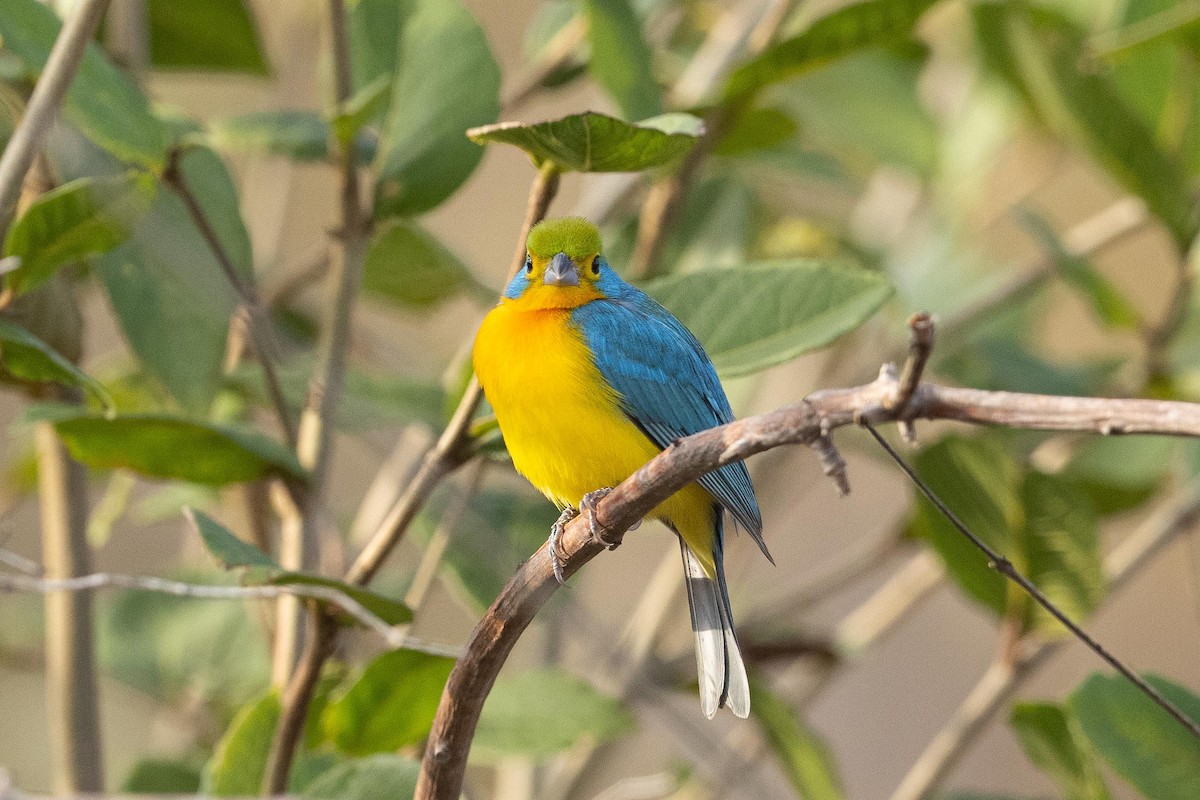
47, 97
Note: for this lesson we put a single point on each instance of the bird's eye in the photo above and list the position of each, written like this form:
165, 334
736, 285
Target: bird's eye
596, 265
528, 265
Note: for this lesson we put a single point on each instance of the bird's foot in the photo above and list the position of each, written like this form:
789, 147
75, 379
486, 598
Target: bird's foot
588, 504
556, 530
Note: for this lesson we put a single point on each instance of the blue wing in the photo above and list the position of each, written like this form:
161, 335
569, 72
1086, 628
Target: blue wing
667, 384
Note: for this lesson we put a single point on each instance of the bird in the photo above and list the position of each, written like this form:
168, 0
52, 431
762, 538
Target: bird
589, 378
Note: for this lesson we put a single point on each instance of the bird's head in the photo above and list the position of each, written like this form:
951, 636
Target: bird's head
563, 266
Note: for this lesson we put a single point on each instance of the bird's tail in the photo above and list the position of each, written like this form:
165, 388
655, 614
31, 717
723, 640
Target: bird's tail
719, 664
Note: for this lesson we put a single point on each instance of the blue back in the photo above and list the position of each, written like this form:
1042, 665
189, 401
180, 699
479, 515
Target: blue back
667, 383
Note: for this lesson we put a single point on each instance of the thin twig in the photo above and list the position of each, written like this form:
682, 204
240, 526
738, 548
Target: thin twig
1001, 564
919, 347
987, 698
44, 103
258, 321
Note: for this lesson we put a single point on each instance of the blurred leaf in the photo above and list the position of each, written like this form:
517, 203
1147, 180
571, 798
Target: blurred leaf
1121, 472
407, 266
1108, 304
1005, 364
621, 60
1053, 741
446, 81
806, 759
757, 129
391, 705
363, 106
716, 227
591, 142
978, 481
378, 777
209, 35
1059, 548
541, 712
167, 288
873, 23
391, 611
224, 546
28, 358
162, 446
375, 27
764, 314
162, 776
102, 102
1139, 740
78, 219
240, 760
299, 135
1041, 53
1154, 22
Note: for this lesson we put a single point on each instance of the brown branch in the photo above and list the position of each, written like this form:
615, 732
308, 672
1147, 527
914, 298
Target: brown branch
687, 459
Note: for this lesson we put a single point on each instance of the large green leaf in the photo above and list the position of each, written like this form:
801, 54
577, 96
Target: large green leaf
78, 219
28, 358
238, 764
806, 759
1042, 54
163, 446
406, 265
978, 481
167, 288
621, 60
208, 35
591, 142
391, 705
446, 81
1059, 549
162, 776
1138, 739
300, 135
1121, 472
544, 711
762, 315
1053, 741
873, 23
225, 547
378, 777
102, 102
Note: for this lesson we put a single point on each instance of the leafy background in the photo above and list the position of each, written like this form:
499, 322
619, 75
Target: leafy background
935, 166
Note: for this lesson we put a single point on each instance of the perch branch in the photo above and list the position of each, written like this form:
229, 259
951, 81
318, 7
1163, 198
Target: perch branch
687, 459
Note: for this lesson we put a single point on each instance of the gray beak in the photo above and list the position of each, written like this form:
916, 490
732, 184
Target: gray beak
561, 272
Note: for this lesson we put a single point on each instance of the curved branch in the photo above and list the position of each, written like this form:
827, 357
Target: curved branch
684, 461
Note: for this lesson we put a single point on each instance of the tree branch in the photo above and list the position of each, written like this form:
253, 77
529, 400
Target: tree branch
687, 459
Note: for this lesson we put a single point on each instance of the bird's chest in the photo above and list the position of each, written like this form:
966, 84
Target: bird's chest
561, 420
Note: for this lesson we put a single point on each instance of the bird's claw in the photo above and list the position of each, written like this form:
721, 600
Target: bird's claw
588, 504
556, 530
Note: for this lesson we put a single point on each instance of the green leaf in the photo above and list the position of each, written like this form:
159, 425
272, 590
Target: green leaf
446, 81
240, 759
621, 60
1107, 302
761, 315
1053, 741
378, 777
209, 35
874, 23
545, 711
391, 611
299, 135
757, 129
78, 219
978, 481
591, 142
1121, 472
1139, 740
224, 546
407, 266
1041, 53
806, 759
161, 776
1059, 550
391, 705
363, 106
28, 358
102, 102
167, 288
163, 446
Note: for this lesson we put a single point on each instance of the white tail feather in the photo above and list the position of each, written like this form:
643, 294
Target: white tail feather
719, 667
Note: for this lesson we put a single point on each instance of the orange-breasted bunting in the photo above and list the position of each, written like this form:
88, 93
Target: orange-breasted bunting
590, 378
